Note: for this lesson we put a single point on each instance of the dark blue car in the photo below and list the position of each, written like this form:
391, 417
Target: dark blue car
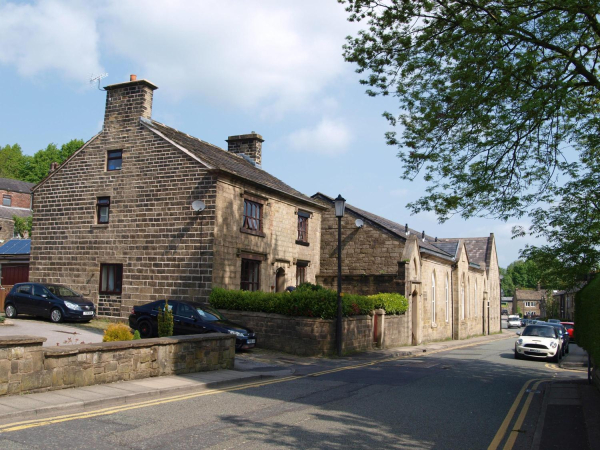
189, 318
53, 301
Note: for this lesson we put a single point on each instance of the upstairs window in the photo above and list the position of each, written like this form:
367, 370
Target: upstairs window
6, 200
103, 209
250, 280
252, 216
114, 159
111, 278
303, 226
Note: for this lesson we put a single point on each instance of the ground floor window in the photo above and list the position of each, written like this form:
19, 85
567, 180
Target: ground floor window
250, 275
111, 278
301, 272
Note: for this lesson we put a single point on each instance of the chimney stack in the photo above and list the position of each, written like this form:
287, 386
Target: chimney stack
126, 103
247, 144
53, 167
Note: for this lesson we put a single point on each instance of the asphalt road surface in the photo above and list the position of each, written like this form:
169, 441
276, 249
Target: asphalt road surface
456, 399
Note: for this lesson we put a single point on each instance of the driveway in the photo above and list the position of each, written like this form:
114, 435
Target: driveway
56, 334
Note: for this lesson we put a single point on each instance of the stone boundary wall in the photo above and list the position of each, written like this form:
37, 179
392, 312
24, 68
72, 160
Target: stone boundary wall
366, 284
25, 366
312, 336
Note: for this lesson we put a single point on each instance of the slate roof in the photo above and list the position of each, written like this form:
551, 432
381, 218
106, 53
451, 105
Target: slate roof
218, 158
395, 228
477, 248
525, 294
8, 184
16, 247
7, 212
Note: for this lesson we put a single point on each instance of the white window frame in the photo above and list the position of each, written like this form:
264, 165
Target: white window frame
447, 301
433, 298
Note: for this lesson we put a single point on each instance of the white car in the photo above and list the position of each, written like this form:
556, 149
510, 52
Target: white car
538, 341
514, 321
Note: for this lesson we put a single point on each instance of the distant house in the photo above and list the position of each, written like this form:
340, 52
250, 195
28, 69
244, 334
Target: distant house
530, 303
506, 304
14, 261
16, 201
145, 212
566, 303
453, 285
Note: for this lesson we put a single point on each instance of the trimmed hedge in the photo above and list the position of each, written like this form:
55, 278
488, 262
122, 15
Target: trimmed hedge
306, 302
587, 318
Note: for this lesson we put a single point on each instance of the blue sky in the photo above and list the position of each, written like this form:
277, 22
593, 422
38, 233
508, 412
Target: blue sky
222, 68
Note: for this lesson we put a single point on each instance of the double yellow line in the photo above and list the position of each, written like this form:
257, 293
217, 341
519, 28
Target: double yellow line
23, 425
514, 433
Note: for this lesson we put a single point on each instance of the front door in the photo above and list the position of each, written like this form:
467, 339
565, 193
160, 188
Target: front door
416, 323
280, 280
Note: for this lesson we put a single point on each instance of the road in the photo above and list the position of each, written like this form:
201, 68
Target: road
455, 399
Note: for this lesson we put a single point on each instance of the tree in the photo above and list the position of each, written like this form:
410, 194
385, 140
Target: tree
23, 226
37, 167
491, 94
11, 161
520, 274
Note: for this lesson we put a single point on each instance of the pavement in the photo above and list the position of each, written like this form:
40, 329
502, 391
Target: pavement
55, 333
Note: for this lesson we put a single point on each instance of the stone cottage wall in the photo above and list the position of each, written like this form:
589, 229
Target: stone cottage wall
26, 367
277, 247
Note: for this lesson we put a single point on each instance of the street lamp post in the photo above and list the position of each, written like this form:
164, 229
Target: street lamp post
340, 205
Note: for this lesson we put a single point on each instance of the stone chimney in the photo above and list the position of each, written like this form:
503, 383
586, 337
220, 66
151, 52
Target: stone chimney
247, 144
53, 167
127, 102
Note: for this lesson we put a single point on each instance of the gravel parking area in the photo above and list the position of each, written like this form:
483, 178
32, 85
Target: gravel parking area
56, 334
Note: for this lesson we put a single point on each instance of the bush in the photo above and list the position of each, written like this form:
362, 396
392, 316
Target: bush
587, 319
306, 301
136, 335
165, 321
117, 332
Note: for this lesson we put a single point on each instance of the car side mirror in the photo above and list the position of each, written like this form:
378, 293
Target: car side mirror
518, 333
44, 296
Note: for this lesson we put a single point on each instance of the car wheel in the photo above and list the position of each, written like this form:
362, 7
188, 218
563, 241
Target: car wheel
56, 315
145, 329
10, 311
555, 358
517, 355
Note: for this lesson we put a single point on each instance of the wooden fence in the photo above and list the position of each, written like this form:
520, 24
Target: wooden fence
4, 290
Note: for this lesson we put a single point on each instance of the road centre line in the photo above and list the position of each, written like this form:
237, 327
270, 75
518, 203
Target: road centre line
17, 426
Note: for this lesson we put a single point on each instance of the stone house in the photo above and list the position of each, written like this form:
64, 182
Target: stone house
453, 285
566, 303
144, 212
529, 302
16, 201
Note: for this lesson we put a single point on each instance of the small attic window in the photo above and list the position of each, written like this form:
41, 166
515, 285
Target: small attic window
6, 200
114, 159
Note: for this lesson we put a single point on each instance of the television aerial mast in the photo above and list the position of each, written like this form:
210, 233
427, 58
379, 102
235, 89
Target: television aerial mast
94, 79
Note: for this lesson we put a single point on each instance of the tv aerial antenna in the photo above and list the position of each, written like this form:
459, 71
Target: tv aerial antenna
94, 79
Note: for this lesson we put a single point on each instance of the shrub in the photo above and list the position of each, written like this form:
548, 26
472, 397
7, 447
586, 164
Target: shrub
136, 335
165, 321
117, 332
307, 301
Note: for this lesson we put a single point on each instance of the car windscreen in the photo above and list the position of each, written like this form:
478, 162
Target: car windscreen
209, 314
543, 331
62, 291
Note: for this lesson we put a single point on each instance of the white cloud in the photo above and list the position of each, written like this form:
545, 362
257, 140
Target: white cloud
49, 36
330, 137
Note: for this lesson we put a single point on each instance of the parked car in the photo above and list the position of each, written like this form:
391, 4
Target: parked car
564, 335
189, 318
538, 341
523, 322
553, 321
570, 326
514, 321
52, 301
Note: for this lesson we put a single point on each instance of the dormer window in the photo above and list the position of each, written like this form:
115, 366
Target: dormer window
114, 160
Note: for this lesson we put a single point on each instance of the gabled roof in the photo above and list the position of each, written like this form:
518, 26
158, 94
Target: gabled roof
8, 184
526, 294
395, 228
478, 249
16, 247
7, 212
217, 158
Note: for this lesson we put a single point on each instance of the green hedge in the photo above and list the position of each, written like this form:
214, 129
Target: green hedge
587, 318
306, 302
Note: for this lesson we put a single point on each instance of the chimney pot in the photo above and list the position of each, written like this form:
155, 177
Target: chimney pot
132, 77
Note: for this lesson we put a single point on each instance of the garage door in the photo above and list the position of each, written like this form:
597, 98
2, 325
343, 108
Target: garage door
14, 274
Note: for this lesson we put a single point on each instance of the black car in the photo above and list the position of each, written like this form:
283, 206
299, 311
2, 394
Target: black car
53, 301
189, 318
563, 333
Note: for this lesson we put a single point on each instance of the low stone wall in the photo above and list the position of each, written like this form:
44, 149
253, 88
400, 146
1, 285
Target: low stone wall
311, 337
27, 367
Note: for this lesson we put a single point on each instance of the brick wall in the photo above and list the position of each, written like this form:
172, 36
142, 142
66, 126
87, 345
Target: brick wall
18, 199
278, 248
26, 367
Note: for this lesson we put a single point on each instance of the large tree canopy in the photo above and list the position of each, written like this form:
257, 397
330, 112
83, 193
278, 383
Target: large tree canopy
491, 94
